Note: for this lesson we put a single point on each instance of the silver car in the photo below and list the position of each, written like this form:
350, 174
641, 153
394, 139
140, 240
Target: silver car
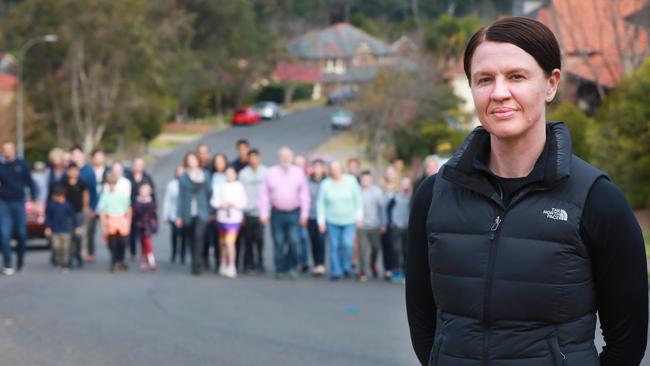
269, 110
341, 119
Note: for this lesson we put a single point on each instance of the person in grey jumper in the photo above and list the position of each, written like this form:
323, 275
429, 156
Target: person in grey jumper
374, 224
252, 177
400, 214
193, 207
316, 238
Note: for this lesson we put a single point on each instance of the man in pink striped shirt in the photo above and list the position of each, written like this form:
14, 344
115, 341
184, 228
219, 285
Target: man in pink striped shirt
284, 200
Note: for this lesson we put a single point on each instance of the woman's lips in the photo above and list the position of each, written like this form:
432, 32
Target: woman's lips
503, 113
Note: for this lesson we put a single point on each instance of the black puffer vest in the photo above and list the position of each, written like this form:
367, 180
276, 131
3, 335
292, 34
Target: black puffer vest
513, 285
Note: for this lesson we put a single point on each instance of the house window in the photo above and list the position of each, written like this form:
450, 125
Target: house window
330, 65
339, 67
334, 66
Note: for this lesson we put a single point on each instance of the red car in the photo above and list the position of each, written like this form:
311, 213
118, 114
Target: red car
35, 214
245, 116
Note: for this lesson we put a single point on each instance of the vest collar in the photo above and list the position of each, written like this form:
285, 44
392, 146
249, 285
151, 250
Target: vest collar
553, 164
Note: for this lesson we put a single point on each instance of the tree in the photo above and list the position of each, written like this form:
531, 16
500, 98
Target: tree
109, 54
580, 126
446, 37
621, 146
233, 45
401, 109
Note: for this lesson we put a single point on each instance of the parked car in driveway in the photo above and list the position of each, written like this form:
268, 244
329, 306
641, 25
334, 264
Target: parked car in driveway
35, 216
341, 119
245, 116
269, 110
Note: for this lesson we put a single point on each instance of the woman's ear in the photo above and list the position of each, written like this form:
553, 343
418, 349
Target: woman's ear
553, 83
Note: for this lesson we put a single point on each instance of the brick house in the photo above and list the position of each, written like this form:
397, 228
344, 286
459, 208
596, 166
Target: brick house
601, 41
340, 56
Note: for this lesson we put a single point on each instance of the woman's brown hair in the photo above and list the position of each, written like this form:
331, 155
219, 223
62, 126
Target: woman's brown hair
530, 35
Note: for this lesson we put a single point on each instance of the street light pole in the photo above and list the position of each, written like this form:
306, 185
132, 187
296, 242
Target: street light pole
20, 134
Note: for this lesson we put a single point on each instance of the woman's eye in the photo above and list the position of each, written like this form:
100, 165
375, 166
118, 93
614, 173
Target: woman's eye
483, 81
517, 77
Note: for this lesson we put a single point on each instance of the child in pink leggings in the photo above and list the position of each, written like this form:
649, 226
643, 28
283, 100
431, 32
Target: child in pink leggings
146, 222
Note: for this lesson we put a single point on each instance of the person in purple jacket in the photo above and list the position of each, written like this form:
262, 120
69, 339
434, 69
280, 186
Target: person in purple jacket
284, 200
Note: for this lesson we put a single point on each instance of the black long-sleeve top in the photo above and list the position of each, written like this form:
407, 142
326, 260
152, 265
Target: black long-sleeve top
615, 244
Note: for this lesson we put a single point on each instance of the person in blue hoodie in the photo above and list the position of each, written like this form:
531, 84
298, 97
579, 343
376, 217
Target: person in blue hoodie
15, 177
60, 223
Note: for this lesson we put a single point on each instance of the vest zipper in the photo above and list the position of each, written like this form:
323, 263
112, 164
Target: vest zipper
495, 226
488, 284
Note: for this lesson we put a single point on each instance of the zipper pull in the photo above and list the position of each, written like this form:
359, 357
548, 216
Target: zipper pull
497, 221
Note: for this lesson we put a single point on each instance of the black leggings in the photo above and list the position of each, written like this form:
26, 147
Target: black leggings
317, 242
117, 245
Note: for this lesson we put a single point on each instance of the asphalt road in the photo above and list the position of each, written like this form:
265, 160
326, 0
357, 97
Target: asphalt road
91, 317
169, 317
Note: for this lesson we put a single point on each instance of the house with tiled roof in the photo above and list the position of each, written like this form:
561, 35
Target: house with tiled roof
641, 17
340, 56
601, 41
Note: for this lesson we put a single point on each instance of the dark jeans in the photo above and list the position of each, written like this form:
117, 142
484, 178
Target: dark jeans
13, 221
133, 238
317, 243
304, 247
91, 230
285, 229
177, 238
399, 249
253, 232
210, 239
194, 232
117, 246
387, 249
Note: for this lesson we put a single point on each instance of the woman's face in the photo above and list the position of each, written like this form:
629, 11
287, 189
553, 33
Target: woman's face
220, 163
510, 89
335, 169
192, 161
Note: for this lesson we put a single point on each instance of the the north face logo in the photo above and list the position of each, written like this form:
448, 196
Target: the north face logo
556, 214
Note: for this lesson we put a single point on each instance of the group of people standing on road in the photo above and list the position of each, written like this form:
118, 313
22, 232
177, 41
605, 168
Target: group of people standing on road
71, 197
217, 211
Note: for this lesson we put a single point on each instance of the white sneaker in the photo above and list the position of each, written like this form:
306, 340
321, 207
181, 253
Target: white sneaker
232, 272
8, 271
223, 271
